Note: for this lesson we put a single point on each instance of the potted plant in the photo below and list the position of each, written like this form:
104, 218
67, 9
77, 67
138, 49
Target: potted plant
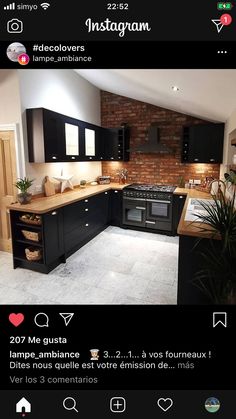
83, 183
217, 276
23, 184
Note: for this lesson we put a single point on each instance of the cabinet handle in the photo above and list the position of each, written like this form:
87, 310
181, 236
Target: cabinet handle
86, 225
90, 158
140, 208
101, 158
116, 191
86, 209
86, 200
73, 158
196, 159
54, 213
106, 193
112, 158
119, 158
212, 159
54, 157
180, 197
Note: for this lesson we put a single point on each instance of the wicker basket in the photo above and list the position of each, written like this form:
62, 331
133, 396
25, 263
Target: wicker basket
31, 222
33, 254
31, 235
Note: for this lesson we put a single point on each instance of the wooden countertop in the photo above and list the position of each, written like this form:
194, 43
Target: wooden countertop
189, 228
44, 204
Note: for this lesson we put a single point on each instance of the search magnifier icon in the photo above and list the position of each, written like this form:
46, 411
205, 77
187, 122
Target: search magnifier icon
41, 320
69, 404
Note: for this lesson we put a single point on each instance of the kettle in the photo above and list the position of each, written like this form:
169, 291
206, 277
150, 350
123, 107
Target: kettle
215, 187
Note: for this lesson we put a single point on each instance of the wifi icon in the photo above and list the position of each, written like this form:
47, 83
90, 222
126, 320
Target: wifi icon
45, 6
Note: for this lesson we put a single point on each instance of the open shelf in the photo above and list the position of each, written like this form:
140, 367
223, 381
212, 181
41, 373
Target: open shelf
30, 226
30, 242
24, 259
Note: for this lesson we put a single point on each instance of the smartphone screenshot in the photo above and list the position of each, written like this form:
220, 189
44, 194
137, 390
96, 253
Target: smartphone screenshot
117, 209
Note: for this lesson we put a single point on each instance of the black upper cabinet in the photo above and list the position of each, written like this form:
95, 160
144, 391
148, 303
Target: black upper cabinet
116, 143
46, 137
53, 137
203, 143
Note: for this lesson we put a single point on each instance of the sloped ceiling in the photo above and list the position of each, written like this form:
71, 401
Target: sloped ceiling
208, 94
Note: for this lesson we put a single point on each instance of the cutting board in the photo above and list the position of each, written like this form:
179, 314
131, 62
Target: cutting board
49, 187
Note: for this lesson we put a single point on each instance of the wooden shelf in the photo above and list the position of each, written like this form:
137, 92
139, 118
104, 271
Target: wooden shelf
233, 141
38, 262
37, 227
29, 242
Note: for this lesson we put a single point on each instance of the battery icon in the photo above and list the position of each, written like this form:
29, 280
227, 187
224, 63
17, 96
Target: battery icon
224, 6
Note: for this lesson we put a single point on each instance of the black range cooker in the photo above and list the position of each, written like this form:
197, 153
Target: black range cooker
148, 206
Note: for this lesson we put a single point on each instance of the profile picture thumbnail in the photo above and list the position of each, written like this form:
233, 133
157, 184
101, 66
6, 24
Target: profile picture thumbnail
14, 50
212, 405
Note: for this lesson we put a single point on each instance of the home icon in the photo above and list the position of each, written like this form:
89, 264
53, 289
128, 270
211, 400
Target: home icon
23, 407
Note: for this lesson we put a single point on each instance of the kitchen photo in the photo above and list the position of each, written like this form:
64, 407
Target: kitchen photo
118, 186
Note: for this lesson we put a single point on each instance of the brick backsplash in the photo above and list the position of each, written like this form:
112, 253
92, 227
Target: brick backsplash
151, 168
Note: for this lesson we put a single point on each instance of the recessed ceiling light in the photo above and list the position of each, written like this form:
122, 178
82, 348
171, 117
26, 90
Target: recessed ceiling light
175, 88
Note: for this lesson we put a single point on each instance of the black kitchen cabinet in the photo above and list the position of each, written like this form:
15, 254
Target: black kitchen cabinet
116, 208
178, 205
49, 242
115, 143
83, 220
46, 138
54, 137
203, 143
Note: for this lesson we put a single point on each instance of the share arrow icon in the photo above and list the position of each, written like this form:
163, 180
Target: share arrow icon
67, 317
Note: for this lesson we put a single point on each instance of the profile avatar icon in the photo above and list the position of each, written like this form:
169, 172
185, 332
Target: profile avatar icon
212, 405
14, 50
94, 354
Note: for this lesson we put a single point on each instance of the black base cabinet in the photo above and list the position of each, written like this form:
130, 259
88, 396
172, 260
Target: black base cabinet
116, 208
61, 232
178, 203
83, 220
190, 262
49, 244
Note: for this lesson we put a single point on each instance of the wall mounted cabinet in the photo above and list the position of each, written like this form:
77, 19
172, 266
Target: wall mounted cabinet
203, 143
53, 137
116, 143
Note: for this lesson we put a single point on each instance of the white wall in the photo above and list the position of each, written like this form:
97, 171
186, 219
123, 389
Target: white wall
66, 92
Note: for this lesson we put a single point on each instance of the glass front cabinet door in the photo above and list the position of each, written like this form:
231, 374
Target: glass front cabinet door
90, 143
72, 141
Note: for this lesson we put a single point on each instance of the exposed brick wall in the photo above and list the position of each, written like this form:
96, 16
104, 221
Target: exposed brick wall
151, 168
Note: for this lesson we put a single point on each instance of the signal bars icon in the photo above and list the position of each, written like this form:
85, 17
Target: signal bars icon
45, 6
10, 6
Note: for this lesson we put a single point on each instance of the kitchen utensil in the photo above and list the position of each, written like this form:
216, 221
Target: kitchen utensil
49, 187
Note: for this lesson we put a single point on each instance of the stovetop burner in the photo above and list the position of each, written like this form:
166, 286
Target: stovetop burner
152, 188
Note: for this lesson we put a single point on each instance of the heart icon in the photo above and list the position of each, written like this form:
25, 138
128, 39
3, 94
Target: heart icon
16, 319
165, 404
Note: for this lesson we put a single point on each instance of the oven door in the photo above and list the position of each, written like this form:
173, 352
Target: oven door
159, 214
134, 212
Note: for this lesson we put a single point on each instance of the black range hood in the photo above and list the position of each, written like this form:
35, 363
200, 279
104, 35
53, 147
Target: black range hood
153, 144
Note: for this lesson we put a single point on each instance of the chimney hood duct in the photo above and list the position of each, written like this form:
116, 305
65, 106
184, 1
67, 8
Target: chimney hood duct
153, 144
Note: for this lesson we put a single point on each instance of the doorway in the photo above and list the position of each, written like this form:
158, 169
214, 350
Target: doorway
8, 175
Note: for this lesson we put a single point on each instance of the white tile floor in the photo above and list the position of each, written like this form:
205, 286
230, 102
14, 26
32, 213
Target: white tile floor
116, 267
